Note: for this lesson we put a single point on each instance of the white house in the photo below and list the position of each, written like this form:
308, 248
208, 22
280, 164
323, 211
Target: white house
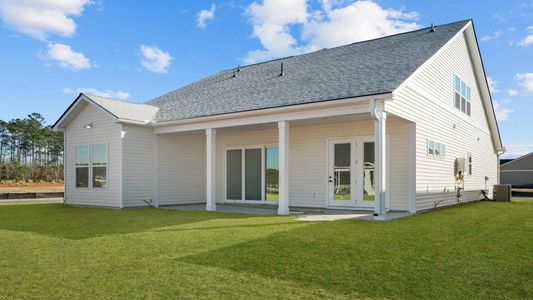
398, 123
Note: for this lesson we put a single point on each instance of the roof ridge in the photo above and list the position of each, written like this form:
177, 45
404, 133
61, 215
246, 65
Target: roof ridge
373, 66
113, 99
345, 45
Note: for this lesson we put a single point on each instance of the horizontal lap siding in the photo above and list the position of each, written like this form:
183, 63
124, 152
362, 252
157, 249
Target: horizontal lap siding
429, 200
429, 101
103, 131
399, 164
516, 177
308, 160
181, 169
138, 151
308, 157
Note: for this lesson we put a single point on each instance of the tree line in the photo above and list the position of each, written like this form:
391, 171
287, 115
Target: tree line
30, 150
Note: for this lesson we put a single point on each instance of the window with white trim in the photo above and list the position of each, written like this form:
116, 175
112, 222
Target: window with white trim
462, 95
436, 149
99, 166
91, 166
82, 166
469, 163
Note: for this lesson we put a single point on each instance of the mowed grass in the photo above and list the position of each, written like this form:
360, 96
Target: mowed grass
482, 250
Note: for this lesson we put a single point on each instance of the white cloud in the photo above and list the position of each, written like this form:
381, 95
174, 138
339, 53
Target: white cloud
335, 23
528, 40
493, 85
65, 57
155, 60
271, 21
514, 151
205, 15
502, 113
512, 93
121, 95
525, 80
493, 36
40, 18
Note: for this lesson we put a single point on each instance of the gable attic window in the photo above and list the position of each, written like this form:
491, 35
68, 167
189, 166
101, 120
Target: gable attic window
462, 95
82, 166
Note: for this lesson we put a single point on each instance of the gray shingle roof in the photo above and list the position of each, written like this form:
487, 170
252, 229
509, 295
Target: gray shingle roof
364, 68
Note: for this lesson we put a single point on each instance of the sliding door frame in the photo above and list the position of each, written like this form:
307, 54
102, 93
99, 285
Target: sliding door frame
243, 172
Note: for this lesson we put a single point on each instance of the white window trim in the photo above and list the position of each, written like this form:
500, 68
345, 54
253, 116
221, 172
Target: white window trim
90, 167
106, 167
467, 100
470, 165
243, 172
434, 155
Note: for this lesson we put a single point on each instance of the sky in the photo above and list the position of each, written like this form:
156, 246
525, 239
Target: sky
50, 50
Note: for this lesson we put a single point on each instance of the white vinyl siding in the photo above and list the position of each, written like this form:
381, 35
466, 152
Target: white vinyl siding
181, 169
308, 157
103, 131
427, 100
138, 151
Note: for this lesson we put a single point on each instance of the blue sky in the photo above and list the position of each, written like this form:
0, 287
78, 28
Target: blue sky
51, 50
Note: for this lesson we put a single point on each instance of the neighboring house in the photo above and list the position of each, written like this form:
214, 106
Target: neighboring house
518, 172
374, 125
505, 160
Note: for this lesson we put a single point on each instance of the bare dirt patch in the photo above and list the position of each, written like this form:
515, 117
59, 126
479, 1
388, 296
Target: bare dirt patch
523, 190
31, 187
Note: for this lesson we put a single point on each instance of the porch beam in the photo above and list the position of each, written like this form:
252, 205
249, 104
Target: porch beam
283, 144
210, 169
260, 117
380, 148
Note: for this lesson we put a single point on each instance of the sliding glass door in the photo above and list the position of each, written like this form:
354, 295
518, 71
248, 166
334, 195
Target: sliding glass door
271, 174
252, 174
234, 174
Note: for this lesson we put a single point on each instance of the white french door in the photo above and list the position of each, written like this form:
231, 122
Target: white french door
351, 172
365, 172
341, 170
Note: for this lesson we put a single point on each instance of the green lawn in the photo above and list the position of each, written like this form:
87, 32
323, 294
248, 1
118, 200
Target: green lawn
484, 250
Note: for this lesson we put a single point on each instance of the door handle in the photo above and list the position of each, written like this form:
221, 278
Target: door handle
329, 180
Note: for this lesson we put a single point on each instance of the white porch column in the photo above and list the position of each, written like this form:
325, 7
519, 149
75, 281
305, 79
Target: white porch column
380, 172
210, 169
283, 140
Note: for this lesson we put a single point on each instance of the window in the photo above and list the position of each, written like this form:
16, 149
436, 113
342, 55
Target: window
272, 174
431, 148
462, 96
91, 166
99, 165
469, 163
436, 149
82, 166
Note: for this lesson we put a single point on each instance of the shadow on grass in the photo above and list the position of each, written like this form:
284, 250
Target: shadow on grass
443, 253
69, 222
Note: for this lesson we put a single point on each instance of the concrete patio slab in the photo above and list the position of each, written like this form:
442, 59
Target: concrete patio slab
303, 214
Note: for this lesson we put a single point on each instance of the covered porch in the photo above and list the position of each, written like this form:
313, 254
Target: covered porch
346, 157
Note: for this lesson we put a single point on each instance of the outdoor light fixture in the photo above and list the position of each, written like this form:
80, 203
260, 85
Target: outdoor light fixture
88, 126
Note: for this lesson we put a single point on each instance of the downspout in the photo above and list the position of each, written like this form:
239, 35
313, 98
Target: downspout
380, 160
499, 153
